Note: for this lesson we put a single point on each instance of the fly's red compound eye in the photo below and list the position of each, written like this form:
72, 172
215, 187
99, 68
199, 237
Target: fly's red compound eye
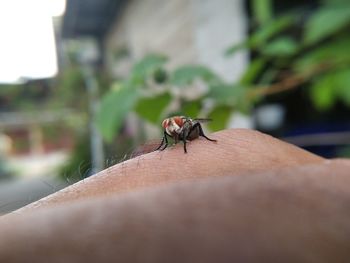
179, 121
165, 123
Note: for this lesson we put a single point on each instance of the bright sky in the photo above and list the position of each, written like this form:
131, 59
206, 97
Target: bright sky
27, 43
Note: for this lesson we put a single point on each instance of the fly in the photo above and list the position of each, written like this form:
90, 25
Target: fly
182, 128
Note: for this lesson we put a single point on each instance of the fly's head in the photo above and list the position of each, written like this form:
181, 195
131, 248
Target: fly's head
173, 126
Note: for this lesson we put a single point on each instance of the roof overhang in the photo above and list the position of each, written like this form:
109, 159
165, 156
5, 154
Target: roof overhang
89, 18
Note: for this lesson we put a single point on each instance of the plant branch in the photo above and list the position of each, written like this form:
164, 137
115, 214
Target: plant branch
291, 82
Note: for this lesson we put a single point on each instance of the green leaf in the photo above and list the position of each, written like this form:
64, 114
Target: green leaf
268, 76
238, 46
187, 74
281, 47
229, 94
160, 76
220, 116
271, 29
325, 22
148, 65
263, 34
254, 69
340, 80
323, 93
114, 107
343, 89
336, 52
192, 108
151, 108
331, 86
262, 10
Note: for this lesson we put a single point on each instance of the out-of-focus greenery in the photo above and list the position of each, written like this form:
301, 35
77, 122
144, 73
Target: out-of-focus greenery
21, 96
5, 171
65, 98
57, 93
302, 48
306, 46
78, 165
150, 89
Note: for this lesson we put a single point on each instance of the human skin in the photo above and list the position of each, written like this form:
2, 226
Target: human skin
236, 151
248, 198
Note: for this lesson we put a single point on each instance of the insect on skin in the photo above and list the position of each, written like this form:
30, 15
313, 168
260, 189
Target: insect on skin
182, 128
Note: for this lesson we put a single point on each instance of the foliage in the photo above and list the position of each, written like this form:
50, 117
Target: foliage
312, 48
149, 108
21, 96
63, 98
79, 164
70, 89
6, 172
118, 102
185, 75
150, 89
287, 50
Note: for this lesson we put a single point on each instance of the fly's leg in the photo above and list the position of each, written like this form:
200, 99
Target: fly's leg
201, 133
161, 144
176, 139
164, 140
183, 137
184, 141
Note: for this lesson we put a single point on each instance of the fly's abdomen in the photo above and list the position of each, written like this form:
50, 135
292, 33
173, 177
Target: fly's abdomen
194, 134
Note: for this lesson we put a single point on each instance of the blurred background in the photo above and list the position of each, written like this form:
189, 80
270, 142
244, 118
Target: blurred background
83, 83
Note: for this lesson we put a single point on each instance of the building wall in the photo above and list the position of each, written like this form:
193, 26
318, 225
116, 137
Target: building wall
187, 31
219, 24
157, 26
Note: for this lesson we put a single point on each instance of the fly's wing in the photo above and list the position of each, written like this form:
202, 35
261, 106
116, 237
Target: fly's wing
202, 120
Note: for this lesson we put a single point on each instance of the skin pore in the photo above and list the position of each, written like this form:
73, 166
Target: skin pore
248, 198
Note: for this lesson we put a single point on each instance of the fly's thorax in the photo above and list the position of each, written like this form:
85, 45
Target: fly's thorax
187, 126
174, 126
